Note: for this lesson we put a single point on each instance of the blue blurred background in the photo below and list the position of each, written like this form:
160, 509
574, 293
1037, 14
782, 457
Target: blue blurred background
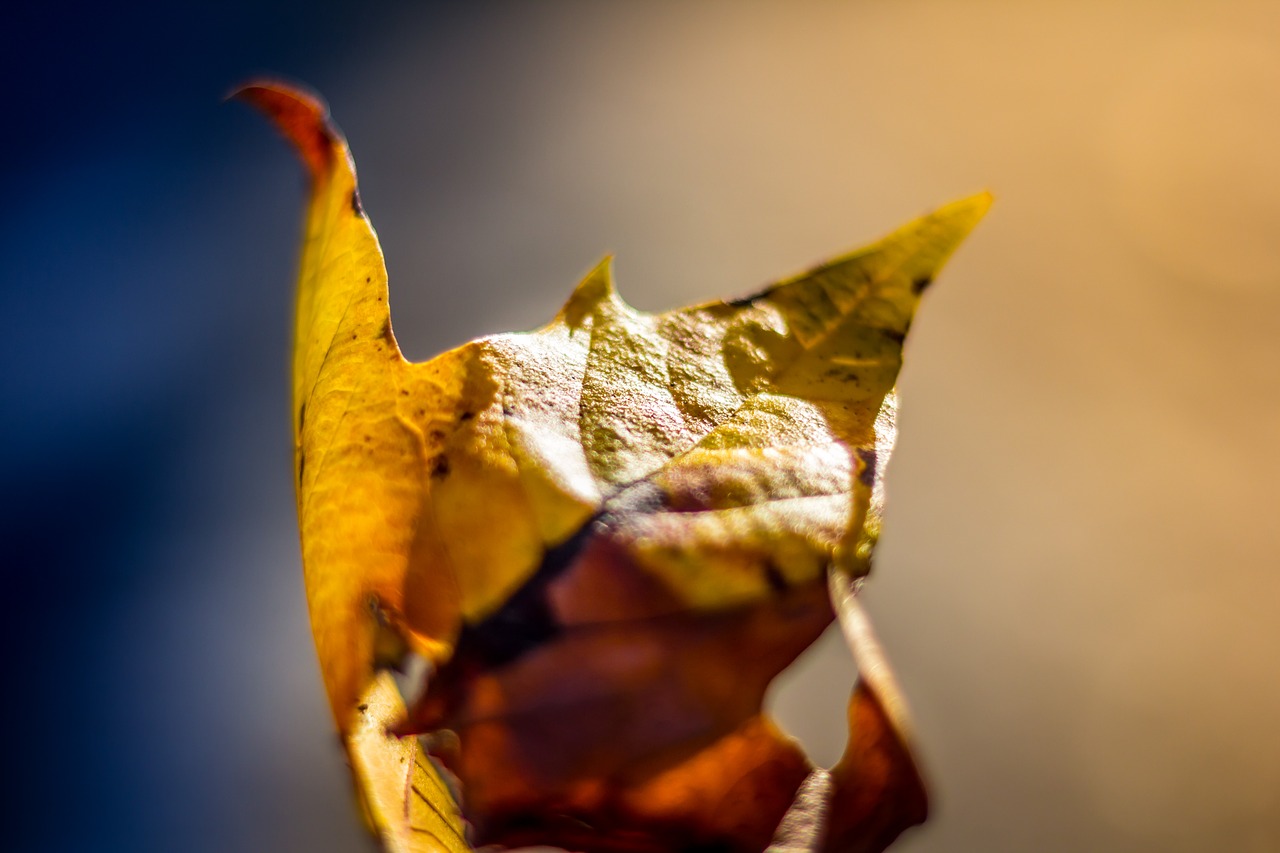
1079, 579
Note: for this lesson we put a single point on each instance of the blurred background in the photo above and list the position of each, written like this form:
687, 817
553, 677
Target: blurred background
1079, 584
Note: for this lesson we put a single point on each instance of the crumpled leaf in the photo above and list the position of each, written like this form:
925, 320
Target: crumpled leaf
606, 536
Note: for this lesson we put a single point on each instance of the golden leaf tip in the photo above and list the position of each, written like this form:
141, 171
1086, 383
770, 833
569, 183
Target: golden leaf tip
300, 115
595, 287
967, 211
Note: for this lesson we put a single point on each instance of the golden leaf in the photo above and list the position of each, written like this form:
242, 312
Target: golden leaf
358, 454
606, 536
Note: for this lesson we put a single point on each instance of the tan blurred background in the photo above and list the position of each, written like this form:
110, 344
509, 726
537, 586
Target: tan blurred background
1079, 582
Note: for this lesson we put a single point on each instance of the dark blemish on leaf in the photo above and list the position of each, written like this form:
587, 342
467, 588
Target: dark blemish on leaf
746, 301
841, 374
356, 207
437, 435
466, 416
302, 466
895, 336
386, 330
367, 279
404, 392
362, 707
868, 473
440, 467
302, 416
774, 577
508, 411
368, 438
921, 284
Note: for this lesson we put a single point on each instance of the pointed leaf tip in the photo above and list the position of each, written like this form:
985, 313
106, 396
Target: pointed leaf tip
945, 229
966, 212
951, 223
594, 288
301, 116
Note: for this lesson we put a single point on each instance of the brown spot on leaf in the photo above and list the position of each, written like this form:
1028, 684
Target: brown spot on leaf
745, 301
440, 467
356, 207
775, 578
868, 473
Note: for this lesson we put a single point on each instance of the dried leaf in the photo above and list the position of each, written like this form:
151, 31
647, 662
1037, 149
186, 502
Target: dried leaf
358, 460
404, 800
607, 536
878, 789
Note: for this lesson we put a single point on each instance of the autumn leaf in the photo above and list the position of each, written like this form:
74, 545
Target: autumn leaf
605, 536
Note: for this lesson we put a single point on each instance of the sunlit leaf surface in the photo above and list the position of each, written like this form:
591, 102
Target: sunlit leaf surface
606, 536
